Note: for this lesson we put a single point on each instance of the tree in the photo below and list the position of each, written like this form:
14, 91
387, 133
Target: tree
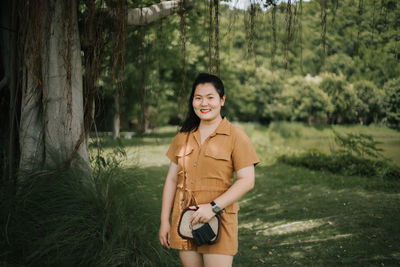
51, 124
343, 97
392, 102
308, 101
370, 107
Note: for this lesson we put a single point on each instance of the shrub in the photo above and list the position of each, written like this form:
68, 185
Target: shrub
345, 164
342, 96
357, 155
308, 101
75, 218
392, 102
370, 106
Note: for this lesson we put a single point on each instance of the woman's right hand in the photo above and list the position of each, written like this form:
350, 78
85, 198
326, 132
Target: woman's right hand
165, 233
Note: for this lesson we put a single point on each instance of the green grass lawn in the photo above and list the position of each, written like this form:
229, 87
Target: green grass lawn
294, 216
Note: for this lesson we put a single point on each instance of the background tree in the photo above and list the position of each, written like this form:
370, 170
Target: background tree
392, 102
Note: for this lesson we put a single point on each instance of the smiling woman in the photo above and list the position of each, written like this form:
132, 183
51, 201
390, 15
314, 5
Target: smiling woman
204, 156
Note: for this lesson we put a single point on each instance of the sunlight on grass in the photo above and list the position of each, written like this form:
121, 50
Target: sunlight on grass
317, 240
291, 227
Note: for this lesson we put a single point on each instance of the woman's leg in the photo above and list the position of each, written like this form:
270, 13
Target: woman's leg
217, 260
190, 258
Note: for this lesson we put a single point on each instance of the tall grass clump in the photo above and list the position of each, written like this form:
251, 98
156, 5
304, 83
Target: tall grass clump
357, 154
71, 217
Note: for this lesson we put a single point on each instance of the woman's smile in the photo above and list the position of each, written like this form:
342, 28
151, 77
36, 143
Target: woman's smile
205, 110
207, 103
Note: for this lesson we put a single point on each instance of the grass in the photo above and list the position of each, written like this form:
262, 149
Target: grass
296, 216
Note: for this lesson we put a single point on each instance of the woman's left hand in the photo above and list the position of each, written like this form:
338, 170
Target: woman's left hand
203, 214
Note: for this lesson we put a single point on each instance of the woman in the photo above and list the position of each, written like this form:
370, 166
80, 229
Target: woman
212, 152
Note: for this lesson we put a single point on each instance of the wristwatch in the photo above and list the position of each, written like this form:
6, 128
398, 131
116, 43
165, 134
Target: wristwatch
215, 208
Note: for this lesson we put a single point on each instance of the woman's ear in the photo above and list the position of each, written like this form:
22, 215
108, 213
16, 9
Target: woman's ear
223, 100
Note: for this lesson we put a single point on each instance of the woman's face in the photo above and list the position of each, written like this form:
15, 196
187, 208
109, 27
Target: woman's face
206, 102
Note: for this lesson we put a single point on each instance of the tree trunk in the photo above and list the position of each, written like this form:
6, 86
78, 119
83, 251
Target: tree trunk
8, 90
116, 121
52, 130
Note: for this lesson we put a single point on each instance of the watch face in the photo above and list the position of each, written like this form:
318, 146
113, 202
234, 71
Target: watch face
216, 209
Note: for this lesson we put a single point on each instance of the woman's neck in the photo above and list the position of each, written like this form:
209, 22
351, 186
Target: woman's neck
206, 124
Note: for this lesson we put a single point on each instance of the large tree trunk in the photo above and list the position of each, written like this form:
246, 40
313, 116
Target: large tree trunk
8, 90
51, 129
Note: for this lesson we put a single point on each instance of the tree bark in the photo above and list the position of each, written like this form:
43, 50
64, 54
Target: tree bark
117, 112
8, 89
52, 129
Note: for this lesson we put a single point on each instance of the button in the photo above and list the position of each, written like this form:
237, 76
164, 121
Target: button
194, 164
192, 181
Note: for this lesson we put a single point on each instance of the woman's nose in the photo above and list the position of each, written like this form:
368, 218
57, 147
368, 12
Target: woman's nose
204, 102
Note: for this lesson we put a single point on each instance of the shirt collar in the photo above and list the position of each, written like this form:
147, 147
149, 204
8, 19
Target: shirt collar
224, 127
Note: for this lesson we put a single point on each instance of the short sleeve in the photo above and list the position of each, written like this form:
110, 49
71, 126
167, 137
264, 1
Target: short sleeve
171, 153
243, 153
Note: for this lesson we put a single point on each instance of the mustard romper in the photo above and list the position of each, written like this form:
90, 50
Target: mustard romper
209, 171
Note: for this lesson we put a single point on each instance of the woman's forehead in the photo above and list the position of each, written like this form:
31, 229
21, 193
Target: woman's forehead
205, 89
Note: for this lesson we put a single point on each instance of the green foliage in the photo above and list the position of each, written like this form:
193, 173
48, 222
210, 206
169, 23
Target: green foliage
362, 145
357, 154
340, 64
74, 218
308, 102
392, 102
343, 164
361, 56
342, 96
370, 107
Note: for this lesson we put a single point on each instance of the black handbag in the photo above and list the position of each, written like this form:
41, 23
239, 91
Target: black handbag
200, 233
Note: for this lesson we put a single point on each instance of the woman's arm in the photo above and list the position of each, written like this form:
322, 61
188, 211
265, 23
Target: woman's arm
167, 203
243, 184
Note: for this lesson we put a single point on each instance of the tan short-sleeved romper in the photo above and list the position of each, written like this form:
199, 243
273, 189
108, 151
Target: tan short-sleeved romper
209, 173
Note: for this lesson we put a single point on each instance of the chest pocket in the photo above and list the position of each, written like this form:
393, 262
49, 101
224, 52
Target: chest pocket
182, 151
219, 148
183, 154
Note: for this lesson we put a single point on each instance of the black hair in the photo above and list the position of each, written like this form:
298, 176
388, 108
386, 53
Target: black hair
192, 121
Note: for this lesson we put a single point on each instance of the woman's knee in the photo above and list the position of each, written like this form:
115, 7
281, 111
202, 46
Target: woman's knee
191, 258
220, 260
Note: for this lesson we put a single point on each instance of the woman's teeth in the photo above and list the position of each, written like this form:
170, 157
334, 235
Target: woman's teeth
204, 110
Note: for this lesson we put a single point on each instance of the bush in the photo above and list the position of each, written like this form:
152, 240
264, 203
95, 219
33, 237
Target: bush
357, 155
344, 164
370, 106
309, 103
74, 218
392, 102
342, 96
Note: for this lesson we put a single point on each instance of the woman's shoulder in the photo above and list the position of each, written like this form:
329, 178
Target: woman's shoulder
237, 132
179, 138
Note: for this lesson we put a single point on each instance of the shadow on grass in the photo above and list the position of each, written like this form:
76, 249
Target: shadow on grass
295, 216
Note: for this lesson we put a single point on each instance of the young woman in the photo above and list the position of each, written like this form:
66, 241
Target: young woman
214, 150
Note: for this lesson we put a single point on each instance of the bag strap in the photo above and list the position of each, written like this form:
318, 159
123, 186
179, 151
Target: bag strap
184, 169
